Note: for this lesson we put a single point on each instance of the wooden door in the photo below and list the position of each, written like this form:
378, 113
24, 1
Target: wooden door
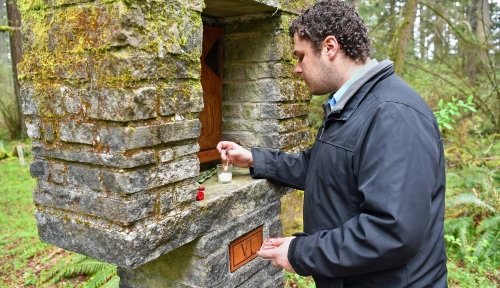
211, 82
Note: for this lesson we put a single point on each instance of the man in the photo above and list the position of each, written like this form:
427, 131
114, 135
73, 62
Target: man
374, 179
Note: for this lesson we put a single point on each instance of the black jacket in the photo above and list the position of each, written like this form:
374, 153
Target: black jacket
374, 185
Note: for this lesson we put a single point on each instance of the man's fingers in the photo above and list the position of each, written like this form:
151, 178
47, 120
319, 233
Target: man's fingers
278, 241
266, 254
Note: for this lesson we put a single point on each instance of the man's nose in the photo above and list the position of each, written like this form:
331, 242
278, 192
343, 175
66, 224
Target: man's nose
297, 69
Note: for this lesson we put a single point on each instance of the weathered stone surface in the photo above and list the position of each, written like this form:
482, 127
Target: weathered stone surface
26, 92
131, 65
256, 71
154, 237
48, 132
83, 133
258, 46
205, 260
180, 97
292, 124
57, 173
126, 138
166, 155
265, 110
185, 192
186, 149
124, 104
166, 200
87, 201
250, 139
39, 169
87, 155
33, 128
266, 91
130, 182
84, 176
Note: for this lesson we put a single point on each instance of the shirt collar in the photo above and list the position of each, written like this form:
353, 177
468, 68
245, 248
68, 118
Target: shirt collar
336, 96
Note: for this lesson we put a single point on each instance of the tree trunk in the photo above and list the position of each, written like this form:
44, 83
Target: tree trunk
440, 49
14, 18
404, 35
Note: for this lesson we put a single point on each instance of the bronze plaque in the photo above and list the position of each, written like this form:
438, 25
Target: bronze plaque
244, 249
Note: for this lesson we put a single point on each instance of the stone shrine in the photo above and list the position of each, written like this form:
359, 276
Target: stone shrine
124, 101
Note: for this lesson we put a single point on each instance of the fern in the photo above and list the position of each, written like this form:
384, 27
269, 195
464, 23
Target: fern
461, 229
469, 199
488, 245
114, 282
101, 277
100, 273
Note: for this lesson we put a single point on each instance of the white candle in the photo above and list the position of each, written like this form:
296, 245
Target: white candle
225, 177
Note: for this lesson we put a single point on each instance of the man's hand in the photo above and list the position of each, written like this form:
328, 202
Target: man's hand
234, 153
276, 250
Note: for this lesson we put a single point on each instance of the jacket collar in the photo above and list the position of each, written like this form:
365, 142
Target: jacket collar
357, 92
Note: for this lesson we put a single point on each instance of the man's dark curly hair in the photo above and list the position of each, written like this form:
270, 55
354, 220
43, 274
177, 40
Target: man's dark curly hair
336, 18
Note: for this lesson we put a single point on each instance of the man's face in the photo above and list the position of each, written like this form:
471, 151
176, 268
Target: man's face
313, 67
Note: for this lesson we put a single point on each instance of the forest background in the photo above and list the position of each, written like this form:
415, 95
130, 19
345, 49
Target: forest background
446, 50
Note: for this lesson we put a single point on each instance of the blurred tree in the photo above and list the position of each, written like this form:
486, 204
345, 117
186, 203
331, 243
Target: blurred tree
10, 53
401, 43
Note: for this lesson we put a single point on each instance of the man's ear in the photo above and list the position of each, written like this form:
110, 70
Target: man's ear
332, 46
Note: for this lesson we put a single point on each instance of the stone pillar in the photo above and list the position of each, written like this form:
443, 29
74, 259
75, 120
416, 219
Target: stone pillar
265, 104
111, 91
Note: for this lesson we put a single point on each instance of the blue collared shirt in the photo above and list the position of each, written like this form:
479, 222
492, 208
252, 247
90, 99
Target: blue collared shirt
335, 97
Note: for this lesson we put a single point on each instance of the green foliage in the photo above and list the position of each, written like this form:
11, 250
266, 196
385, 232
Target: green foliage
293, 280
19, 243
101, 274
447, 112
472, 225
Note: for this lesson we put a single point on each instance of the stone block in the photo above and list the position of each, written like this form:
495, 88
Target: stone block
250, 139
81, 154
292, 124
79, 28
133, 245
257, 126
75, 132
268, 90
293, 138
259, 46
180, 97
39, 169
166, 155
48, 132
127, 65
265, 110
284, 110
187, 149
186, 192
120, 104
33, 128
26, 92
129, 182
57, 173
72, 98
127, 138
247, 24
166, 200
84, 176
87, 201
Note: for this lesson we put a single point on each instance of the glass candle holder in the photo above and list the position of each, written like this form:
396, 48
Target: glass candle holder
224, 173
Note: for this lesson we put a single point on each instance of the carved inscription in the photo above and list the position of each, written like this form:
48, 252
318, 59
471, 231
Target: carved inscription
244, 248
